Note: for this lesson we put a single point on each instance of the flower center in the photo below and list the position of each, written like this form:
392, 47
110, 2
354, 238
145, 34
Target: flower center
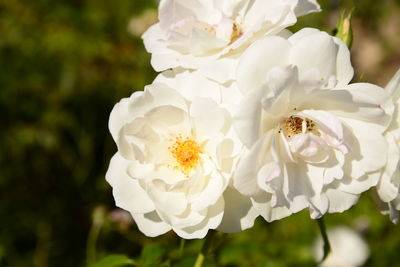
297, 125
186, 152
236, 32
210, 29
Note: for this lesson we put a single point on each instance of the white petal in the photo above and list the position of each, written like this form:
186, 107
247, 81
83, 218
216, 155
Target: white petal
228, 149
277, 12
258, 59
318, 206
171, 203
239, 212
137, 140
262, 203
364, 102
305, 7
213, 219
187, 219
167, 120
220, 70
309, 148
315, 174
386, 188
231, 97
150, 224
344, 69
333, 167
231, 7
163, 61
152, 38
210, 194
282, 145
357, 186
387, 191
166, 178
191, 84
282, 78
331, 100
120, 114
367, 93
304, 180
393, 87
247, 120
202, 43
271, 179
317, 50
160, 94
207, 117
340, 201
173, 11
127, 192
245, 177
326, 121
370, 152
303, 33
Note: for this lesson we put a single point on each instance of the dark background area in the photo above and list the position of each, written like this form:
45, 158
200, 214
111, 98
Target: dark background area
63, 66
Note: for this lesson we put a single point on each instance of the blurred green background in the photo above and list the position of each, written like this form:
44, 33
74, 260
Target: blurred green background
63, 65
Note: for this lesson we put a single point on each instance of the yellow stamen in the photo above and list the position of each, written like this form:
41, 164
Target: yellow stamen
186, 152
236, 32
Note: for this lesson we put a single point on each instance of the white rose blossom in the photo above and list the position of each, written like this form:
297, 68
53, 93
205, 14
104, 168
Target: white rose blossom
175, 160
388, 188
313, 141
209, 34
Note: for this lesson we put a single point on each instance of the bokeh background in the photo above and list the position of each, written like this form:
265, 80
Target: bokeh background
63, 65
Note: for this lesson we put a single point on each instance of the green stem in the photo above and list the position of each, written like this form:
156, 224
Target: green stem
181, 247
327, 245
97, 223
205, 249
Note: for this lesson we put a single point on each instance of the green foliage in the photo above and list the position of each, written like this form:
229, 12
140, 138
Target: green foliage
64, 64
151, 255
114, 261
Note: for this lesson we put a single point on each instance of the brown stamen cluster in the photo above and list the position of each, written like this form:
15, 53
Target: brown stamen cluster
294, 125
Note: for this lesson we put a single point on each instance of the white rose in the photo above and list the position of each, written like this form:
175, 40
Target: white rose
207, 35
388, 187
313, 140
174, 163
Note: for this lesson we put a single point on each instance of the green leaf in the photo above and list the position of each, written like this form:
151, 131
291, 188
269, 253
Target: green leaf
343, 27
152, 254
115, 260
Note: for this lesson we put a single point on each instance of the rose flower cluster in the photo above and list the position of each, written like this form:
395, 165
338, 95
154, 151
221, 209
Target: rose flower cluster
248, 119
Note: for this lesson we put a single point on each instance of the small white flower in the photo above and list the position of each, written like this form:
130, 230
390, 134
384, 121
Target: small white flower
348, 248
174, 163
209, 35
388, 187
313, 141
